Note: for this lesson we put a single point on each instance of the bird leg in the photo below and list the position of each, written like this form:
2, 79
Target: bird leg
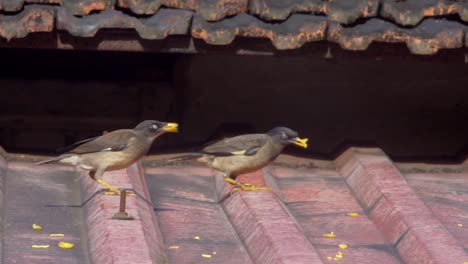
112, 190
239, 186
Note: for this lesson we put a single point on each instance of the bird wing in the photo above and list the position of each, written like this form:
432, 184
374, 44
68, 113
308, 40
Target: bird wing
246, 145
113, 141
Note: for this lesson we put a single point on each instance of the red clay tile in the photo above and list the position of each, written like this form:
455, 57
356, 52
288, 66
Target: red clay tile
445, 193
328, 191
407, 222
397, 211
186, 205
49, 196
189, 219
119, 241
193, 183
269, 233
395, 214
430, 245
359, 254
348, 230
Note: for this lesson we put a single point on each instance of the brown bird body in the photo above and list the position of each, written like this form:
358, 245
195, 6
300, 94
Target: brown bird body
115, 150
245, 153
239, 163
90, 155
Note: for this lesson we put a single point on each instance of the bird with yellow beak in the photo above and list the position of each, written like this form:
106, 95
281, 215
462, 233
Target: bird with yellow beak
245, 153
114, 150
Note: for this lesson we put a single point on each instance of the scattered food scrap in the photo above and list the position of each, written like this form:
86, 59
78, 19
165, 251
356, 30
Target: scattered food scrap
36, 227
56, 235
196, 238
343, 246
460, 225
173, 247
329, 235
65, 245
40, 246
206, 255
353, 214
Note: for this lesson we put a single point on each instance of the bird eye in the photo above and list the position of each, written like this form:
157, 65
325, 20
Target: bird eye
283, 135
154, 127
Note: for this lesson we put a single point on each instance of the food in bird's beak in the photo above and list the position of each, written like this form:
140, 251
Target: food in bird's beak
171, 127
301, 142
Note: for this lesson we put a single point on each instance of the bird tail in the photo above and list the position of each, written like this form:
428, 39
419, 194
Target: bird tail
185, 157
52, 159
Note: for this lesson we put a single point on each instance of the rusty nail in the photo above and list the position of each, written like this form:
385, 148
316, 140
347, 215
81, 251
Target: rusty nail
123, 201
121, 214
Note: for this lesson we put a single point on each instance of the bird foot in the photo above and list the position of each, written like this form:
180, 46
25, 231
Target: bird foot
239, 186
112, 190
114, 193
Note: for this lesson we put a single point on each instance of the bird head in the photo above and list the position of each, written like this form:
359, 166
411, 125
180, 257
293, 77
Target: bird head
287, 136
152, 128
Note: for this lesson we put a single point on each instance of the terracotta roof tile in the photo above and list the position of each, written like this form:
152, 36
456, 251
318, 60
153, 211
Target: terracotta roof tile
32, 19
293, 33
211, 10
412, 12
425, 26
159, 26
343, 11
406, 214
427, 38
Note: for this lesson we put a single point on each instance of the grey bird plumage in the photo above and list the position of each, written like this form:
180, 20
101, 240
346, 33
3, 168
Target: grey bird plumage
245, 153
115, 150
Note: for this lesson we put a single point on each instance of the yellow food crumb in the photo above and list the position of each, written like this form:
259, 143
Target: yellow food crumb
353, 214
206, 255
40, 246
335, 258
196, 238
57, 235
329, 235
173, 247
65, 245
460, 225
36, 227
329, 258
343, 246
338, 256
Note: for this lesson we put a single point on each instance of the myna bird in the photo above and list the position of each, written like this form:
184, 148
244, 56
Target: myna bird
245, 153
115, 150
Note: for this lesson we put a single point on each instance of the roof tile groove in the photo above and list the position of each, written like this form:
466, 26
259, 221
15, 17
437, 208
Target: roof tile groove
401, 216
293, 33
159, 26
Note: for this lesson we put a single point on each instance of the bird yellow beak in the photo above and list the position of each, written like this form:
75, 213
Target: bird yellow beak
301, 142
171, 127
